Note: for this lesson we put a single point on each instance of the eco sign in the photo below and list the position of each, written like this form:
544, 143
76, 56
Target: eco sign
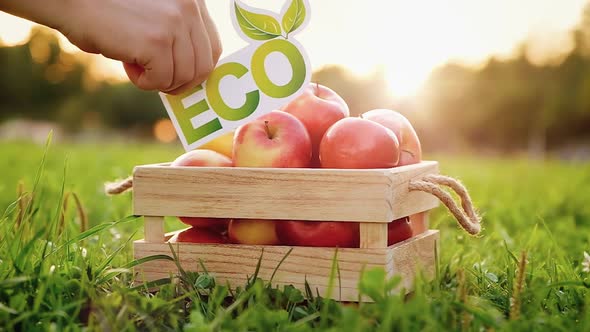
269, 72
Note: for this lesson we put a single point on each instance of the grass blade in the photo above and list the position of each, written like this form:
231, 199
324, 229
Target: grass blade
12, 282
146, 259
7, 309
93, 231
111, 273
279, 265
152, 284
110, 258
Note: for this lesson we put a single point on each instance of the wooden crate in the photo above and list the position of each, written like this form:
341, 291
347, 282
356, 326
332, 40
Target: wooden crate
373, 197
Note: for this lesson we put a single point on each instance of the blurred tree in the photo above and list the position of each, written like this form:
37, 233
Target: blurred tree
37, 76
512, 105
125, 107
42, 81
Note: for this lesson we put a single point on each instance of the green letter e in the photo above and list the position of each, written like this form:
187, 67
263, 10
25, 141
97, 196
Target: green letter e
185, 115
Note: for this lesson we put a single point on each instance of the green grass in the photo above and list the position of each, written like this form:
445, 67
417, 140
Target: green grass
64, 276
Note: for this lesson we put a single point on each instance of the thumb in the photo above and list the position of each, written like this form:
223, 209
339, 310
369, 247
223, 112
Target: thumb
157, 75
133, 71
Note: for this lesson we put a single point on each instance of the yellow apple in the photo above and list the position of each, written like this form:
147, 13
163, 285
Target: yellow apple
223, 144
253, 231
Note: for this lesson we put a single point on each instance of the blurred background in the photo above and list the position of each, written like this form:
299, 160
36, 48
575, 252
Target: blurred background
489, 76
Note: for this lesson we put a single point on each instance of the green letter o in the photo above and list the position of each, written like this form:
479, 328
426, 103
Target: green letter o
295, 59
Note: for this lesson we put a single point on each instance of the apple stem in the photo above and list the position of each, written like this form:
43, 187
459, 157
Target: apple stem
267, 129
317, 88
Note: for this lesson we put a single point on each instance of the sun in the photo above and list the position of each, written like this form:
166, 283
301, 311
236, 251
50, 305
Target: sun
406, 81
406, 40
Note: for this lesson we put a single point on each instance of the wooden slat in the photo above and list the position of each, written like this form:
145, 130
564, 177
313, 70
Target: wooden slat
374, 195
234, 263
416, 255
373, 235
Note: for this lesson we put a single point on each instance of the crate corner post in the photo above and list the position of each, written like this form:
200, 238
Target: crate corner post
373, 235
153, 229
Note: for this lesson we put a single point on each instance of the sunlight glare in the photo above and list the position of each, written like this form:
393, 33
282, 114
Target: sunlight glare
417, 39
13, 30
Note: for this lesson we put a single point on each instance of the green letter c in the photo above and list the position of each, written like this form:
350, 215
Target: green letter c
216, 101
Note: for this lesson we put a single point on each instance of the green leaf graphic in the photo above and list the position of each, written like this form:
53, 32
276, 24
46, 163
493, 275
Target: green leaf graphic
257, 26
294, 16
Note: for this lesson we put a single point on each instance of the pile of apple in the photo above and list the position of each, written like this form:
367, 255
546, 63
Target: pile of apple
315, 130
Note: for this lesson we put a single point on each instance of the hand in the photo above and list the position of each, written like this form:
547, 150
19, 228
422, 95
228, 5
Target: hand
165, 45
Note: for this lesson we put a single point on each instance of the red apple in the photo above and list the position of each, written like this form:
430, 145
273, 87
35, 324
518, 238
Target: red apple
419, 222
409, 144
198, 235
358, 143
276, 139
399, 230
218, 225
318, 108
319, 233
201, 158
253, 231
411, 150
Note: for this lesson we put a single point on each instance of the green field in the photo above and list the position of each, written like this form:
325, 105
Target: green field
61, 275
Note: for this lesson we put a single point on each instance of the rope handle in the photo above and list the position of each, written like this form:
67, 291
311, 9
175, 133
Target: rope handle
116, 188
467, 217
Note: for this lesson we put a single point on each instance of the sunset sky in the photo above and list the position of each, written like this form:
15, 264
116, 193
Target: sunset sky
409, 38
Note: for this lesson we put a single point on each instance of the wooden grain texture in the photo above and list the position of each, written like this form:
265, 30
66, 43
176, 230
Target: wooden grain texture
373, 195
373, 235
417, 255
235, 263
154, 229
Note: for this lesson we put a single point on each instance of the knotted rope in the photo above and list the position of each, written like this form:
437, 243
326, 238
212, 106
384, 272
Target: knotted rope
467, 218
116, 188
